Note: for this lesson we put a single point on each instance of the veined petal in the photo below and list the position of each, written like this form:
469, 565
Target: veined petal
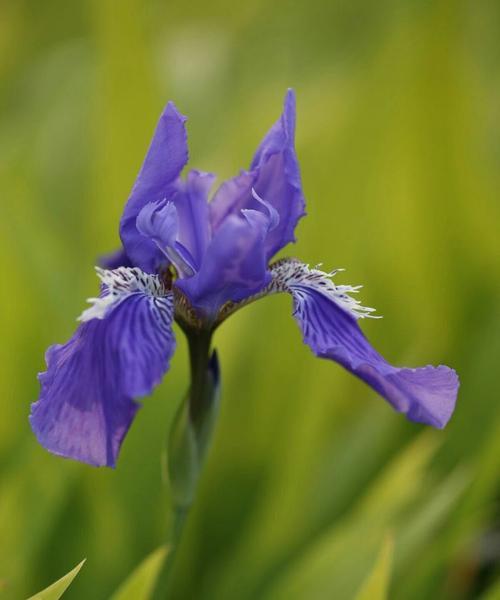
327, 316
162, 166
275, 176
234, 266
119, 353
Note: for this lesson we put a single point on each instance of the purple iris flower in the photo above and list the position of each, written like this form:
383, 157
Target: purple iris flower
194, 261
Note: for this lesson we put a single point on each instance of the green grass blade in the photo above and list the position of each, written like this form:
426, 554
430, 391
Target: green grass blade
139, 585
57, 589
376, 586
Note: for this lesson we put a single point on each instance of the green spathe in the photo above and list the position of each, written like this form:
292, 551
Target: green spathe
192, 429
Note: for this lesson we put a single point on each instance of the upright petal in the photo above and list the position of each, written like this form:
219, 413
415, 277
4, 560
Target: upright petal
234, 266
180, 227
163, 164
275, 175
191, 202
119, 353
327, 315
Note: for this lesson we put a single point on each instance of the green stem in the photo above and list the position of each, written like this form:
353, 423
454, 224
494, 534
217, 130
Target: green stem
199, 395
199, 354
179, 516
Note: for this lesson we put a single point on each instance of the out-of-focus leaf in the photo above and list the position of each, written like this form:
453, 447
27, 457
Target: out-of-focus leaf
57, 589
336, 562
424, 522
493, 593
34, 495
401, 480
421, 528
471, 515
376, 586
139, 585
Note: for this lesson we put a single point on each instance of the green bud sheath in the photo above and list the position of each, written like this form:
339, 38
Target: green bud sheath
194, 422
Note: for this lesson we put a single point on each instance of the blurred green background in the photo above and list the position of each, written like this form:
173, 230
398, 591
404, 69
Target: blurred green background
399, 141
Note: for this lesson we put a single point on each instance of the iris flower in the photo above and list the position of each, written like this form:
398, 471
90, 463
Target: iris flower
196, 262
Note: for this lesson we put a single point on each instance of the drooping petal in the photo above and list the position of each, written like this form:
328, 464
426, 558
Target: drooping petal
163, 164
234, 265
119, 353
327, 315
275, 175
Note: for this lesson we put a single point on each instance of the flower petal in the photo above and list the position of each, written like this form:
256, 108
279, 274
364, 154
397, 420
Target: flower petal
275, 175
329, 327
191, 202
115, 259
163, 164
180, 227
120, 352
159, 222
234, 266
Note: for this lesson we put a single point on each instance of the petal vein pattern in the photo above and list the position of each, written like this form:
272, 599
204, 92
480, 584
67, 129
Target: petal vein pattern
118, 285
292, 275
327, 316
120, 352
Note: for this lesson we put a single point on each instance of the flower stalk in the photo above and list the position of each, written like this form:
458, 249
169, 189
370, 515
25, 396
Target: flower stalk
189, 440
